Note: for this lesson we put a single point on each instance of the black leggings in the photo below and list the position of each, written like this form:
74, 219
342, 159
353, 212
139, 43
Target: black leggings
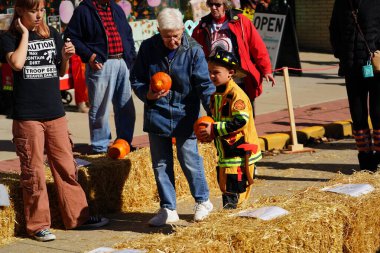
359, 89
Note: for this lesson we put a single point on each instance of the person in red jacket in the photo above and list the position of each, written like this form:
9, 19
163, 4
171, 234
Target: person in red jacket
78, 72
230, 30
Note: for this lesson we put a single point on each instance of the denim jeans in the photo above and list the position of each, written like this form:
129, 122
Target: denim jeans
110, 84
191, 163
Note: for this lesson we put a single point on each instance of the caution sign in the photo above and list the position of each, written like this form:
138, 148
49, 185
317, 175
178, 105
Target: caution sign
40, 60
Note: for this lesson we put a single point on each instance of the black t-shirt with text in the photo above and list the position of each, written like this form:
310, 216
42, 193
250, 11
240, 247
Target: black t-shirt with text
36, 92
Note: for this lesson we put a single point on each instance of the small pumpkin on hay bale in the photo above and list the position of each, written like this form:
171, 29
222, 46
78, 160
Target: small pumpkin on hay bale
318, 222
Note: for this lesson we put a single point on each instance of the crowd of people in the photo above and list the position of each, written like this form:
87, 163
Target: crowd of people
221, 67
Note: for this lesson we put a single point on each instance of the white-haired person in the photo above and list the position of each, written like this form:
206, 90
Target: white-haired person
230, 30
172, 113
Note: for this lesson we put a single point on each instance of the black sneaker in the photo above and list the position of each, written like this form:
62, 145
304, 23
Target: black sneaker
44, 236
93, 222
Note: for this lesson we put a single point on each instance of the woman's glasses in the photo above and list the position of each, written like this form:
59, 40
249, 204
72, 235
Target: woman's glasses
217, 5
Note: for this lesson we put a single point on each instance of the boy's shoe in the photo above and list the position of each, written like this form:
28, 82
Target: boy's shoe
93, 222
202, 210
163, 217
44, 235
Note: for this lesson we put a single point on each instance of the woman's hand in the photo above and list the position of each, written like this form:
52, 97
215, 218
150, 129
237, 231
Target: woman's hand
269, 77
68, 50
151, 95
94, 64
21, 28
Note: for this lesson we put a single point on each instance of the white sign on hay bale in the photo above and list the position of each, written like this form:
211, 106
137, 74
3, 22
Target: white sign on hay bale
4, 196
108, 250
81, 162
354, 190
263, 213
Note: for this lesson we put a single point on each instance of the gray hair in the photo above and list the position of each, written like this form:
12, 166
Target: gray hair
170, 19
227, 4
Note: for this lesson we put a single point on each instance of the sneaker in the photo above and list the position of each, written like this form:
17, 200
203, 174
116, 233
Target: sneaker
164, 216
202, 210
93, 222
44, 236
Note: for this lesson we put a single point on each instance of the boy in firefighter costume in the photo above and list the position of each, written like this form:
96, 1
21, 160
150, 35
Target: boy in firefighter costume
233, 132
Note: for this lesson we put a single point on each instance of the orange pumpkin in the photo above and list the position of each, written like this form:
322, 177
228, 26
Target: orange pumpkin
119, 149
198, 126
160, 81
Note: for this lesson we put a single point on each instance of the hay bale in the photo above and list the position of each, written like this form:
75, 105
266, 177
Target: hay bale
12, 217
318, 222
7, 217
110, 185
363, 232
128, 184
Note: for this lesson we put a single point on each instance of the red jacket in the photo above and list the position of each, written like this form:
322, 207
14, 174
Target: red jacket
253, 54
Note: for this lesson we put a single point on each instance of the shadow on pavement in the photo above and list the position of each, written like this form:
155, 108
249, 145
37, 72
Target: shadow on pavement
7, 145
347, 169
323, 63
138, 223
293, 178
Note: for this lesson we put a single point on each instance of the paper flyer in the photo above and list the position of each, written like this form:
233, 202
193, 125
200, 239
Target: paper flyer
264, 213
354, 190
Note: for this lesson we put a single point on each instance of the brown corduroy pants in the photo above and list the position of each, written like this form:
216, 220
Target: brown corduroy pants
32, 138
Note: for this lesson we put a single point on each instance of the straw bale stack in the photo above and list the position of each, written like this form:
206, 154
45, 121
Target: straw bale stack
318, 222
110, 185
7, 214
128, 184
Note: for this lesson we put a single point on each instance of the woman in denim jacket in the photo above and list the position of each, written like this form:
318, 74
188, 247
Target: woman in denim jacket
172, 113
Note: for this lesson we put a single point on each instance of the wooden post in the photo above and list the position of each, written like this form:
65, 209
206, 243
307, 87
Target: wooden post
295, 146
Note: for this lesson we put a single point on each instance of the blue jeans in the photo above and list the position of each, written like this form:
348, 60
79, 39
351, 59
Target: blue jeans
191, 163
110, 84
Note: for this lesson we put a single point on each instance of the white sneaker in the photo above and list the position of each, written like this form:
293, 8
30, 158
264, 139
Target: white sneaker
202, 210
164, 216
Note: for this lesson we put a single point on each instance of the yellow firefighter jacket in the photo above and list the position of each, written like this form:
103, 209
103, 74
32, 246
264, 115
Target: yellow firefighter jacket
231, 109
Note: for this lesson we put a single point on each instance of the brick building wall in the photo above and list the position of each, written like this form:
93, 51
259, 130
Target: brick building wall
312, 24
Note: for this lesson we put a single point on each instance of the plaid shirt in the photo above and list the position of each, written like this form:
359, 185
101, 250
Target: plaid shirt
115, 45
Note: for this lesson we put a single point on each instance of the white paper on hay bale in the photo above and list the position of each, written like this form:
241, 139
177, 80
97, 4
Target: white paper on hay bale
263, 213
109, 250
354, 190
4, 196
81, 162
